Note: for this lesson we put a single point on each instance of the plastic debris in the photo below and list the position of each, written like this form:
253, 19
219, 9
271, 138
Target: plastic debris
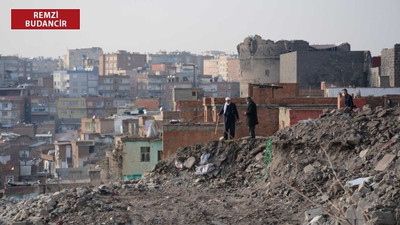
204, 169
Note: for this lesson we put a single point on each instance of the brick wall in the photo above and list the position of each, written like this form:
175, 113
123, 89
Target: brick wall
192, 111
149, 104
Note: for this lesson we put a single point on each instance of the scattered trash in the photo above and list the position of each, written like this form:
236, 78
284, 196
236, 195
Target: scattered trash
204, 158
205, 169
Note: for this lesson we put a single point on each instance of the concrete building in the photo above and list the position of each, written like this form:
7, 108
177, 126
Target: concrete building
71, 108
184, 94
42, 109
110, 63
337, 67
115, 86
92, 129
77, 57
390, 65
13, 67
13, 110
81, 151
171, 58
43, 67
224, 66
140, 155
100, 107
76, 83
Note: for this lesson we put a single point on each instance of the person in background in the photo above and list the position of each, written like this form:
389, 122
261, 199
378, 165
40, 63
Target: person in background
348, 100
231, 115
251, 116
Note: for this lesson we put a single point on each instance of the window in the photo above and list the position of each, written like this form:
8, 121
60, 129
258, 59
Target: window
145, 153
267, 73
193, 93
9, 179
5, 105
4, 113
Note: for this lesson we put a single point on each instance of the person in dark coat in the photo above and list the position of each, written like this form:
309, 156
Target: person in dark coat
251, 116
231, 115
348, 100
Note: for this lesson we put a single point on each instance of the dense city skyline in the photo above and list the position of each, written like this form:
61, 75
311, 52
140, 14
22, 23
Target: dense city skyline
150, 26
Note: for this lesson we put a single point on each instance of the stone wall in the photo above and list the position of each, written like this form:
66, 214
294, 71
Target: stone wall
259, 59
310, 68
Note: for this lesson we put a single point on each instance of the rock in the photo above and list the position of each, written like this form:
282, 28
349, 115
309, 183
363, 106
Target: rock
363, 153
318, 220
309, 168
385, 162
44, 213
354, 216
310, 214
189, 162
259, 157
364, 204
383, 217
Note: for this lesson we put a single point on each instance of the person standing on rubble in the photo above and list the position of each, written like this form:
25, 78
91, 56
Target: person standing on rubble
251, 116
348, 100
231, 115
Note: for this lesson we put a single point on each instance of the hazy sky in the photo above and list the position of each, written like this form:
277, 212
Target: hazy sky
201, 25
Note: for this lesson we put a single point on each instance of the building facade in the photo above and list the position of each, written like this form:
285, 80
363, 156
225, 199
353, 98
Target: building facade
390, 65
77, 57
76, 83
110, 63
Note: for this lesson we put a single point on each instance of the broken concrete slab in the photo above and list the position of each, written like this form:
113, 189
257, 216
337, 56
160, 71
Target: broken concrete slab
385, 162
310, 214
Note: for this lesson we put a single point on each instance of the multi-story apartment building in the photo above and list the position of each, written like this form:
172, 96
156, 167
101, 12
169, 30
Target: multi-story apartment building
71, 108
76, 83
117, 86
13, 67
110, 63
171, 58
225, 66
43, 67
78, 57
12, 110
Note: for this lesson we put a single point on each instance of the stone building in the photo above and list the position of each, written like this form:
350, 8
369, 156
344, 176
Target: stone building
265, 61
390, 65
338, 67
259, 59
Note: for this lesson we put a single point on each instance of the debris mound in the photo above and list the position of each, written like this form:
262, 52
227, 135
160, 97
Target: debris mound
234, 163
343, 166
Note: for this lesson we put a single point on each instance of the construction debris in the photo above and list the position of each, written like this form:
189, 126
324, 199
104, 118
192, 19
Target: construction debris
342, 168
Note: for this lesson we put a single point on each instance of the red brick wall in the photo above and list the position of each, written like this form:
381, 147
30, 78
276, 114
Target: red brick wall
259, 93
298, 115
149, 104
191, 111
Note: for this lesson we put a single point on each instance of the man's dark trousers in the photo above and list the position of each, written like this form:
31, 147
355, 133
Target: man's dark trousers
252, 131
229, 127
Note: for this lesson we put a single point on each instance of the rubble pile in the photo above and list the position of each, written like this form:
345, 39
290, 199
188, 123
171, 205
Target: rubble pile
346, 163
232, 163
342, 168
84, 205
